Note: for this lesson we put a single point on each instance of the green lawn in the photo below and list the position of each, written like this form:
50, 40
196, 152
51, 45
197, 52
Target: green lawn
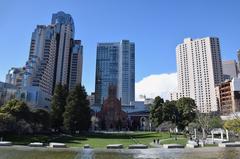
101, 140
173, 141
96, 140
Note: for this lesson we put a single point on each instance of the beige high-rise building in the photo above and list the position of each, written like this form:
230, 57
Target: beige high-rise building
199, 68
175, 96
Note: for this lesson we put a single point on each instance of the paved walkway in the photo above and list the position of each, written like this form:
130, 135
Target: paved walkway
155, 145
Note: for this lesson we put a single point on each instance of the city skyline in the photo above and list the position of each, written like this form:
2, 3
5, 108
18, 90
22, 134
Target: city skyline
152, 44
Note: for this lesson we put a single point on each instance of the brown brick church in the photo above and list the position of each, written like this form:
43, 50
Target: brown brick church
111, 116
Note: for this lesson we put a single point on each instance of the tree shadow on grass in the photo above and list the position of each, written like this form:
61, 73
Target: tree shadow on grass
114, 136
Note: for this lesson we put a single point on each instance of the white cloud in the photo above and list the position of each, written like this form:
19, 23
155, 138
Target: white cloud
156, 85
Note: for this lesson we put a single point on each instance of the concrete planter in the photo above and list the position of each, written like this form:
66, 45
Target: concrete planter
57, 145
114, 146
36, 144
138, 146
5, 143
172, 146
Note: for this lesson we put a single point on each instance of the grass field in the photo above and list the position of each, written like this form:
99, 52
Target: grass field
97, 140
173, 141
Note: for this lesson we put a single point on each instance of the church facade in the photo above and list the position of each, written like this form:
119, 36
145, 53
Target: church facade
111, 116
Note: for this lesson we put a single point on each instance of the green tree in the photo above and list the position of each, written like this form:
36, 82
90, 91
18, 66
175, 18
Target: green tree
16, 117
18, 109
40, 120
233, 125
204, 121
193, 125
58, 104
23, 127
156, 111
216, 122
186, 111
170, 111
77, 113
7, 123
209, 121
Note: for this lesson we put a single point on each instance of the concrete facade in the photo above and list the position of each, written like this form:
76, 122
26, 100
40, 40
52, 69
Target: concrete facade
15, 76
199, 68
175, 96
229, 96
7, 92
230, 69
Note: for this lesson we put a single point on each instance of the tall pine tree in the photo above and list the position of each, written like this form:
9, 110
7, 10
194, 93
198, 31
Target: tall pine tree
58, 107
77, 113
186, 111
156, 111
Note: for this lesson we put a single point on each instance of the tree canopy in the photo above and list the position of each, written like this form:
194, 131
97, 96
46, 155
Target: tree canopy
16, 117
233, 125
58, 104
186, 111
16, 108
77, 112
156, 111
180, 112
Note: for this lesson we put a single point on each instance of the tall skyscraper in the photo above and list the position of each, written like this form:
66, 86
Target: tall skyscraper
40, 51
75, 75
199, 68
54, 58
115, 65
64, 27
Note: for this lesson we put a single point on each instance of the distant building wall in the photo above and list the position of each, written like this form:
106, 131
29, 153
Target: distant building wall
229, 96
230, 69
7, 92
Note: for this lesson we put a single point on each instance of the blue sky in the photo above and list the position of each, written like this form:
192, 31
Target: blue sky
156, 27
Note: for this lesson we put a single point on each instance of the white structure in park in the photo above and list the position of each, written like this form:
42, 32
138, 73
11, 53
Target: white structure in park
221, 132
199, 68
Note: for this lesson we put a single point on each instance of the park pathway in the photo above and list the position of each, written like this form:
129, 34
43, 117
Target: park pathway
158, 145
